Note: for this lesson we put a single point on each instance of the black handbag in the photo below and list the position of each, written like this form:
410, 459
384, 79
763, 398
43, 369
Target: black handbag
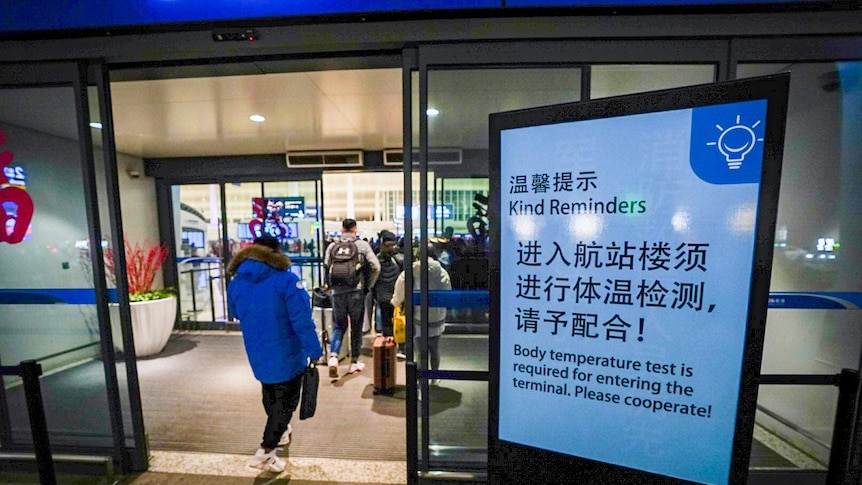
321, 298
308, 400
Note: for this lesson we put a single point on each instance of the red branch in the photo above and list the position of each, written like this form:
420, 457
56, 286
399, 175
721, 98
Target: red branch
142, 263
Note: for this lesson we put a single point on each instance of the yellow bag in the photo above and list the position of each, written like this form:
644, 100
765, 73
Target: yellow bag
399, 325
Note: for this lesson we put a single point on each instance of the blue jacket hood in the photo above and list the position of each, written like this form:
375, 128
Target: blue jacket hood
274, 311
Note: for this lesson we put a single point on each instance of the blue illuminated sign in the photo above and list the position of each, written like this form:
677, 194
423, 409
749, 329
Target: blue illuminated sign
47, 15
627, 276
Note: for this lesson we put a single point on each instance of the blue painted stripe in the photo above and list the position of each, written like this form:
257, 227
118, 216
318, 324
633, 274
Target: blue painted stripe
816, 300
51, 296
456, 298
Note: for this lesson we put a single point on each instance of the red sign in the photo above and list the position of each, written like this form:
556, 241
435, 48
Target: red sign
16, 206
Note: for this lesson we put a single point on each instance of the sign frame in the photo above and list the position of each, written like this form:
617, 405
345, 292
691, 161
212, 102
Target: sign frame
517, 463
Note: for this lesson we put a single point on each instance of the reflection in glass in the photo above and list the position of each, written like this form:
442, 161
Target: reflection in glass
59, 329
820, 168
818, 202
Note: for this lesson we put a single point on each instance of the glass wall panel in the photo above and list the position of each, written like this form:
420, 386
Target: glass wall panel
817, 250
46, 284
458, 423
616, 80
198, 233
459, 102
374, 199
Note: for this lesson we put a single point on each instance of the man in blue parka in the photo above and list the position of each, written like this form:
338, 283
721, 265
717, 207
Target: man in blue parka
274, 311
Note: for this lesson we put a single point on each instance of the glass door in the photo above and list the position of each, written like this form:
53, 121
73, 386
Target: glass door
54, 289
458, 87
213, 221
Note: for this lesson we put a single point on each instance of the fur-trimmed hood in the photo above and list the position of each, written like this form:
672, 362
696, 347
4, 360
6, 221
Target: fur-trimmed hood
260, 254
275, 313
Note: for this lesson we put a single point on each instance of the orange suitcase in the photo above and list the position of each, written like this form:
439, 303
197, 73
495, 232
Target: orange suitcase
384, 365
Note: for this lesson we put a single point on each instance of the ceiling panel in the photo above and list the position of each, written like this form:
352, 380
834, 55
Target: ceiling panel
344, 109
326, 110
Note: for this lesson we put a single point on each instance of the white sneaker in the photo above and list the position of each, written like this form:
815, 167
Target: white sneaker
333, 366
356, 367
268, 462
274, 464
285, 437
400, 356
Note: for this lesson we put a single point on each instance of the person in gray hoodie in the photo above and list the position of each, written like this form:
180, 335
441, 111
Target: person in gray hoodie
438, 279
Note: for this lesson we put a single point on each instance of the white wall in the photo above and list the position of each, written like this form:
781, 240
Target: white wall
138, 203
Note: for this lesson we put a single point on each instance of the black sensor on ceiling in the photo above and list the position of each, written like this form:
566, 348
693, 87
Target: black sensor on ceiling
228, 35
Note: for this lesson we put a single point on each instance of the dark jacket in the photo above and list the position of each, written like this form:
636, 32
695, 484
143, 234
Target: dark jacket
275, 314
390, 268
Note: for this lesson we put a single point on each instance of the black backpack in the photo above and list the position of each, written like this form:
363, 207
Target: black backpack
345, 268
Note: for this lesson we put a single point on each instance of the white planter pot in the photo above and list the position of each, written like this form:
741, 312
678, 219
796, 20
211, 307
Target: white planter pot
152, 324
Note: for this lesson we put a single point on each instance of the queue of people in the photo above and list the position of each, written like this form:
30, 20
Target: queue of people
280, 338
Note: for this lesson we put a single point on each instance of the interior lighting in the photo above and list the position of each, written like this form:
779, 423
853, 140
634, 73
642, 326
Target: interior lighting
96, 125
432, 111
825, 244
257, 118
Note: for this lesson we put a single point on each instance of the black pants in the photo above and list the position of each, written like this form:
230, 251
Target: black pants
279, 402
350, 304
386, 313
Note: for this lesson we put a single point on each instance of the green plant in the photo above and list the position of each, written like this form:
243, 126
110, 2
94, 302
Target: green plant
143, 262
153, 295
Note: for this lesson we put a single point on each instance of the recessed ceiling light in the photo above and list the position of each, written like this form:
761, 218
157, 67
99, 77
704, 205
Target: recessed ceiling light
96, 125
257, 118
432, 111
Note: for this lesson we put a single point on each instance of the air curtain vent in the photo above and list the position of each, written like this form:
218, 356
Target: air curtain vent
436, 156
334, 159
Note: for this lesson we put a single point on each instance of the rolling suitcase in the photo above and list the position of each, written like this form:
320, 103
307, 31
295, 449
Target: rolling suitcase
384, 365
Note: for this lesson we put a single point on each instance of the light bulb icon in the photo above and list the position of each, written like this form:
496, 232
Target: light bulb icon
736, 142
